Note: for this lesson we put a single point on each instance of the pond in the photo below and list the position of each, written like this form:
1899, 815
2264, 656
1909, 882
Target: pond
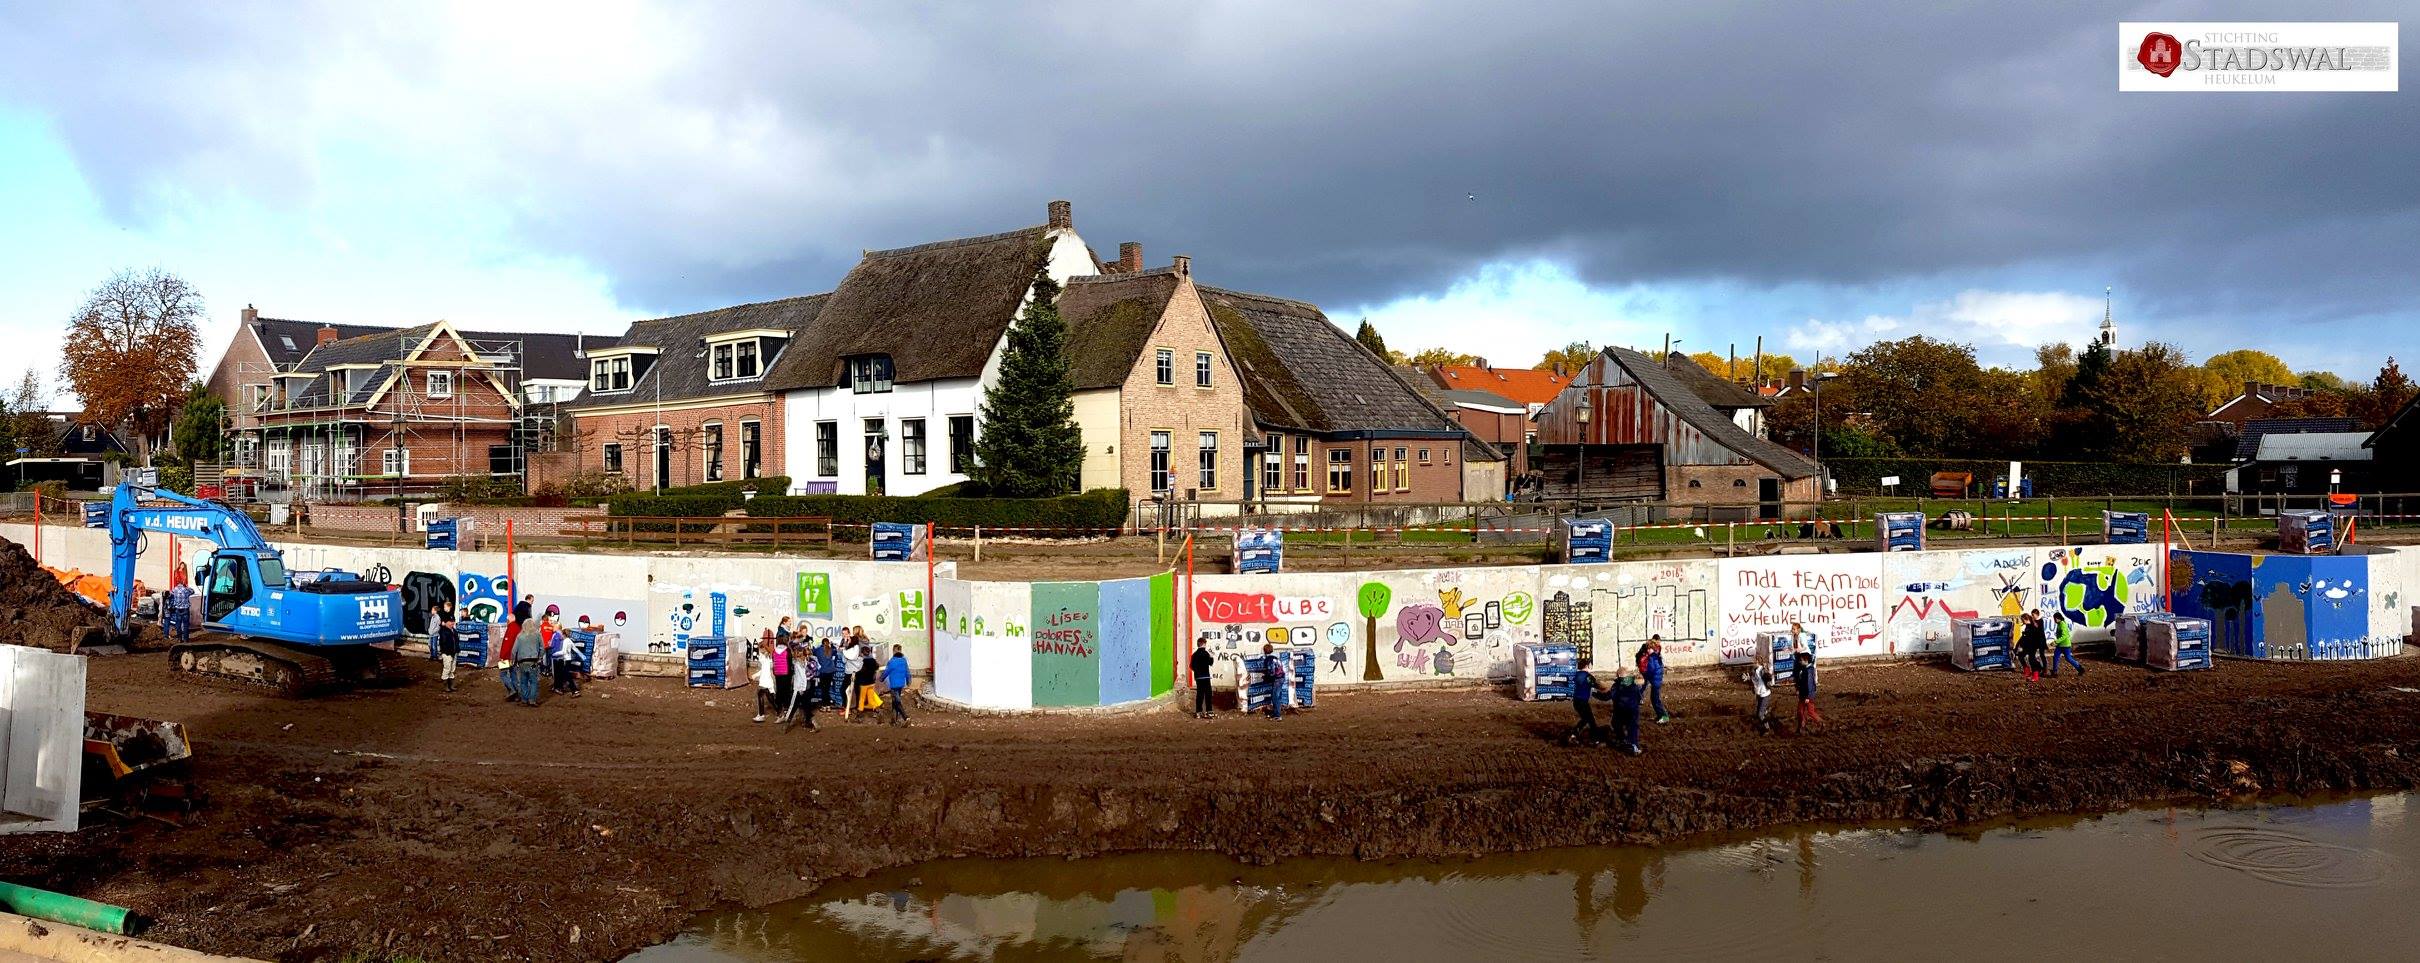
2332, 879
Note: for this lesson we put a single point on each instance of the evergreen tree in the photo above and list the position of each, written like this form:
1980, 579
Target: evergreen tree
1030, 447
200, 426
1368, 336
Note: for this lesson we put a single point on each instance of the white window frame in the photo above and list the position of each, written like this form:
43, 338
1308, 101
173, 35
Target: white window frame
281, 455
751, 448
1162, 445
1302, 464
710, 450
1163, 367
747, 359
609, 374
440, 377
1206, 459
827, 449
913, 446
1201, 369
395, 462
611, 458
1273, 465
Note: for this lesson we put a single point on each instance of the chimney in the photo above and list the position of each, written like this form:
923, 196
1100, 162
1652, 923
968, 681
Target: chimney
327, 333
1482, 364
1558, 369
1798, 379
1183, 264
251, 315
1062, 214
1130, 257
2252, 389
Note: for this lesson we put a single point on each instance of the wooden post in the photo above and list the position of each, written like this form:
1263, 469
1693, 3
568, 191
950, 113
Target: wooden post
978, 543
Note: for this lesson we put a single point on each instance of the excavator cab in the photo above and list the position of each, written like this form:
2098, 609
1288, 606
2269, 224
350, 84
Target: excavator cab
226, 588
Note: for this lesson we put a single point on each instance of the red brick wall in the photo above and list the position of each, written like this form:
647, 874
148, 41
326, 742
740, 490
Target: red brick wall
1508, 432
489, 524
592, 432
1440, 480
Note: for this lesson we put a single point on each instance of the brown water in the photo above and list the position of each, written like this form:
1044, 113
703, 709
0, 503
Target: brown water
2330, 881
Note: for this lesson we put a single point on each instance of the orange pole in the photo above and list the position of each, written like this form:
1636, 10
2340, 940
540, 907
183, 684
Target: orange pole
931, 630
2167, 560
1183, 653
511, 577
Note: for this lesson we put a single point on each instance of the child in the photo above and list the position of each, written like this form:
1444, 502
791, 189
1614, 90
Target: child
1628, 692
764, 676
1277, 681
1583, 692
1651, 669
1760, 681
566, 655
895, 678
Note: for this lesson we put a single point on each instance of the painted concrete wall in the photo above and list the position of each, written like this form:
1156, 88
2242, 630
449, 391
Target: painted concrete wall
41, 738
2296, 607
1013, 645
1837, 597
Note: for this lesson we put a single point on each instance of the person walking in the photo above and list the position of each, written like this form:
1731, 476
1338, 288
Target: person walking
1277, 680
1628, 691
176, 608
1802, 672
565, 653
763, 675
1583, 703
1651, 669
804, 670
2062, 645
528, 654
869, 696
895, 678
784, 689
2030, 646
502, 657
448, 641
1760, 681
1202, 661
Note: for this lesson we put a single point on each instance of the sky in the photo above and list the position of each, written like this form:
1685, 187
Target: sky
1496, 180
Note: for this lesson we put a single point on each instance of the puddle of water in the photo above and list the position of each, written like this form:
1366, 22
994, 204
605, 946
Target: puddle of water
2286, 882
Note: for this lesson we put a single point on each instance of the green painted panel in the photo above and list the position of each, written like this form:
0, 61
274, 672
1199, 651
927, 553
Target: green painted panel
1067, 643
1163, 632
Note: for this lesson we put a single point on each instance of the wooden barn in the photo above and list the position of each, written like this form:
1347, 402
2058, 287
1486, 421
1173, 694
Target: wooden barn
1630, 428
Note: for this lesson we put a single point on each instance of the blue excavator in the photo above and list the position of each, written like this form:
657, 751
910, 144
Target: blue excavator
295, 634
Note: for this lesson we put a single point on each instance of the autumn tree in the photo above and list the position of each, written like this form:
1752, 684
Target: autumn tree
1777, 367
1923, 394
2143, 405
1432, 356
21, 417
2322, 381
1368, 336
1572, 357
131, 349
2388, 393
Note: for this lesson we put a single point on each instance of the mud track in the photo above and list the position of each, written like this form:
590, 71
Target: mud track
419, 823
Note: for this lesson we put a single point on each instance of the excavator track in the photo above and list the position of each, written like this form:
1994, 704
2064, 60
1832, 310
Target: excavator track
255, 665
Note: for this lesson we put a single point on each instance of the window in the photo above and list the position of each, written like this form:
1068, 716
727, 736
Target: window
1340, 470
1424, 456
613, 458
1164, 366
91, 433
735, 359
722, 363
441, 384
962, 444
870, 374
288, 341
1403, 471
1273, 466
1201, 369
827, 448
395, 462
714, 453
1209, 460
751, 449
256, 397
911, 445
1302, 463
1159, 458
609, 374
281, 455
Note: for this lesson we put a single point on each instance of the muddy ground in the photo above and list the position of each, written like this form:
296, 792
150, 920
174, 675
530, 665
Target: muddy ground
36, 610
421, 823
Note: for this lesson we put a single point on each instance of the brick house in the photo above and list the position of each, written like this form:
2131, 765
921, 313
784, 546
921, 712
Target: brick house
272, 365
1647, 435
1334, 422
881, 393
684, 400
2255, 401
1158, 401
1531, 388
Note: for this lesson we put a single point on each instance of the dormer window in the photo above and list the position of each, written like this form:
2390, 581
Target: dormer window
441, 384
735, 360
870, 374
610, 374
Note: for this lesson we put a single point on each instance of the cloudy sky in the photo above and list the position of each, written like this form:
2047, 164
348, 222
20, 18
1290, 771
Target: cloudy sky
1497, 179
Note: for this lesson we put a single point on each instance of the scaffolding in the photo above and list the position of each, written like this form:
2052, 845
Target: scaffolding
339, 451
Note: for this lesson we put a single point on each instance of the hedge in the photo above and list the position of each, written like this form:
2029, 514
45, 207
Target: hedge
696, 501
1863, 476
1101, 508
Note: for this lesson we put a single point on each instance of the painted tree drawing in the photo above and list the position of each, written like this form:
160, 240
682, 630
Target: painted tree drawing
1372, 601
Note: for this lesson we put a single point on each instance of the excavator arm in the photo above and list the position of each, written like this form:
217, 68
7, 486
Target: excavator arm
129, 518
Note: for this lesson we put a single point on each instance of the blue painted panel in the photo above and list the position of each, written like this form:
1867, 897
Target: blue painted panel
2217, 586
1125, 640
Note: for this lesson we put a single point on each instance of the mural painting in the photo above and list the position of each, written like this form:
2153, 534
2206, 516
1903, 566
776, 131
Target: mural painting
1838, 597
1625, 604
1928, 590
1237, 623
1066, 644
2217, 586
2094, 584
1453, 623
483, 596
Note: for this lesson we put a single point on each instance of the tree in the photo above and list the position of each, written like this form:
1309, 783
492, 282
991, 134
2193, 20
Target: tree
2089, 367
1922, 394
131, 349
1030, 446
21, 418
2388, 393
200, 426
1368, 336
1572, 357
2322, 381
1430, 356
1777, 367
1371, 601
2143, 406
2224, 374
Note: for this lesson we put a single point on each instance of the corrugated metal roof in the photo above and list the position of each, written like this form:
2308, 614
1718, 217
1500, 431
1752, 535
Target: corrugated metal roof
2314, 446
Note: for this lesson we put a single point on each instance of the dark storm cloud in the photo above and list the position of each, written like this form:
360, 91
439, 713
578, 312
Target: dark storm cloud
1330, 151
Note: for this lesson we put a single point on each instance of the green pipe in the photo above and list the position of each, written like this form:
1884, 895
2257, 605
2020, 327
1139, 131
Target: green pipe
62, 908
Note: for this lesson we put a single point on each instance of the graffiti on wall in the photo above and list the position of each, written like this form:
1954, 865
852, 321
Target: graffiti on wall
484, 597
1066, 643
2094, 584
1838, 597
1929, 590
1456, 623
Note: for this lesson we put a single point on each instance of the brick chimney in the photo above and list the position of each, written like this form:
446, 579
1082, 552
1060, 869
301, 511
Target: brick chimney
1183, 265
2252, 388
327, 333
1062, 214
251, 315
1482, 364
1798, 379
1559, 369
1130, 257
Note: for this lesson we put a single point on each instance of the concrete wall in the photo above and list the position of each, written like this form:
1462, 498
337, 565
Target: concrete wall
41, 739
2297, 607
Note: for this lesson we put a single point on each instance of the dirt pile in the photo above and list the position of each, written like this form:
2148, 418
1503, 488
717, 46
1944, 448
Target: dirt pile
36, 610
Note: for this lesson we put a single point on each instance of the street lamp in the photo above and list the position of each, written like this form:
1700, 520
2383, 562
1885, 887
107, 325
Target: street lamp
2335, 478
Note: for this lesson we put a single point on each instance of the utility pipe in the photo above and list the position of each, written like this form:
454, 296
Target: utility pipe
73, 911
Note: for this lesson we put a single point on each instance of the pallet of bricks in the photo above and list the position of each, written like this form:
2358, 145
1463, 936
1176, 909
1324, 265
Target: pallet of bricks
713, 664
1983, 644
1546, 671
1255, 687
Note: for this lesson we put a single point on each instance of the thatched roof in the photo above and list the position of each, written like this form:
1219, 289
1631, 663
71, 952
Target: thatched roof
1302, 373
936, 309
1110, 318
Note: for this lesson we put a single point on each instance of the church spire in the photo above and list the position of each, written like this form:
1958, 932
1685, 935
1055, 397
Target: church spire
2108, 320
